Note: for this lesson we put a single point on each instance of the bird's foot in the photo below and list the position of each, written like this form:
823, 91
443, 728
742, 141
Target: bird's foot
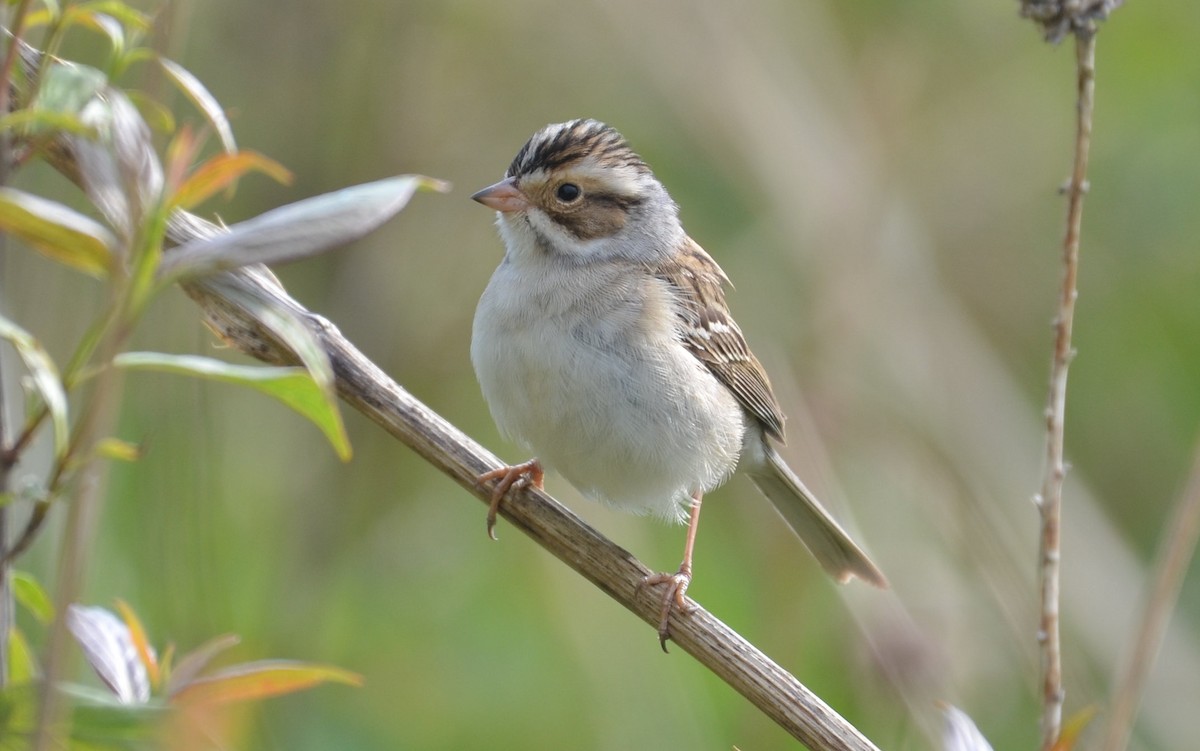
674, 597
518, 477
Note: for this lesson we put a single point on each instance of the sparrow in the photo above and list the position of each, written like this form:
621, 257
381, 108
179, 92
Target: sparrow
604, 346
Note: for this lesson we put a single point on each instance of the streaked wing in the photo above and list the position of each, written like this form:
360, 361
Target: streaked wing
711, 334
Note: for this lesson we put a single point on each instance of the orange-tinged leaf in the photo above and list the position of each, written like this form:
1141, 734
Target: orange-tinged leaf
137, 633
57, 231
261, 680
192, 663
1073, 728
221, 171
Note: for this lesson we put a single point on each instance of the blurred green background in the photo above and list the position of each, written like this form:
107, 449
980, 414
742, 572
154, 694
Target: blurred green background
879, 179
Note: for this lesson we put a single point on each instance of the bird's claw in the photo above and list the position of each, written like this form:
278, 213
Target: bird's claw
514, 477
674, 597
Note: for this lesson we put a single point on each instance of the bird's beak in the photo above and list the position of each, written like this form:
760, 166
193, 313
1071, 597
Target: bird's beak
503, 196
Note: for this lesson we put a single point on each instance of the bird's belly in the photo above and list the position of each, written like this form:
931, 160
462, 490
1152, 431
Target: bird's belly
641, 425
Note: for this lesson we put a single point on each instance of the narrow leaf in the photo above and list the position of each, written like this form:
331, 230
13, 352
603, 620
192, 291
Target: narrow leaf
133, 146
119, 168
90, 18
298, 230
45, 379
156, 114
68, 87
109, 648
194, 662
118, 450
261, 680
1073, 728
223, 170
57, 231
271, 306
204, 101
291, 385
33, 121
22, 665
137, 633
32, 597
39, 18
101, 178
129, 16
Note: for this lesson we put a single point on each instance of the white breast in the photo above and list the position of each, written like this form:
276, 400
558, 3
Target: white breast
594, 381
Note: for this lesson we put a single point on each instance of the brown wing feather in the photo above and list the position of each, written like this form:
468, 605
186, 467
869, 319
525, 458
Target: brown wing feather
711, 334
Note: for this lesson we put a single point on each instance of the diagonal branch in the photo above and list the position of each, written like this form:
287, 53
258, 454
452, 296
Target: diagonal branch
613, 570
229, 301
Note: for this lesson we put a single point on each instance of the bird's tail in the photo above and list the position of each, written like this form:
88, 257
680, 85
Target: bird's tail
823, 536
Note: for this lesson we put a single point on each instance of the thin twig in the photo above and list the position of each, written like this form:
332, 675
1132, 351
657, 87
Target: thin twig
1049, 501
1178, 546
8, 451
83, 514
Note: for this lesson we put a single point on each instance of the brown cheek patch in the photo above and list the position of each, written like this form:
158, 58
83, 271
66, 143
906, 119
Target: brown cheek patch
593, 220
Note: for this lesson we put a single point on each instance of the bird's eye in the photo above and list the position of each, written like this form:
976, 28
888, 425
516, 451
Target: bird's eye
568, 192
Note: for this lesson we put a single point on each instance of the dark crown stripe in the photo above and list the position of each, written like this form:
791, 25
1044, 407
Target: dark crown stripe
574, 141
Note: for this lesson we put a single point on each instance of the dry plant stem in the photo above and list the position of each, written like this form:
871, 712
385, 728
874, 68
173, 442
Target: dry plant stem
1049, 501
7, 460
613, 570
8, 449
1178, 546
83, 512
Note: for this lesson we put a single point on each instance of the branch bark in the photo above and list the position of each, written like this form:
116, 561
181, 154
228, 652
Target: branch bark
362, 385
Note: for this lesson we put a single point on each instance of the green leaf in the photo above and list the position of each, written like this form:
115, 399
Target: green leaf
67, 87
32, 597
261, 680
130, 17
204, 101
45, 379
57, 231
100, 722
156, 114
269, 304
102, 22
298, 230
33, 121
22, 664
118, 450
223, 170
18, 716
291, 385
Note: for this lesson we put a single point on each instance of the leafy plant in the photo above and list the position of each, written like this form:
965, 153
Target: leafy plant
136, 169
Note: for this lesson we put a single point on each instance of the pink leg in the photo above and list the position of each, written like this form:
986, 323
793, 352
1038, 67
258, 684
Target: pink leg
674, 597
